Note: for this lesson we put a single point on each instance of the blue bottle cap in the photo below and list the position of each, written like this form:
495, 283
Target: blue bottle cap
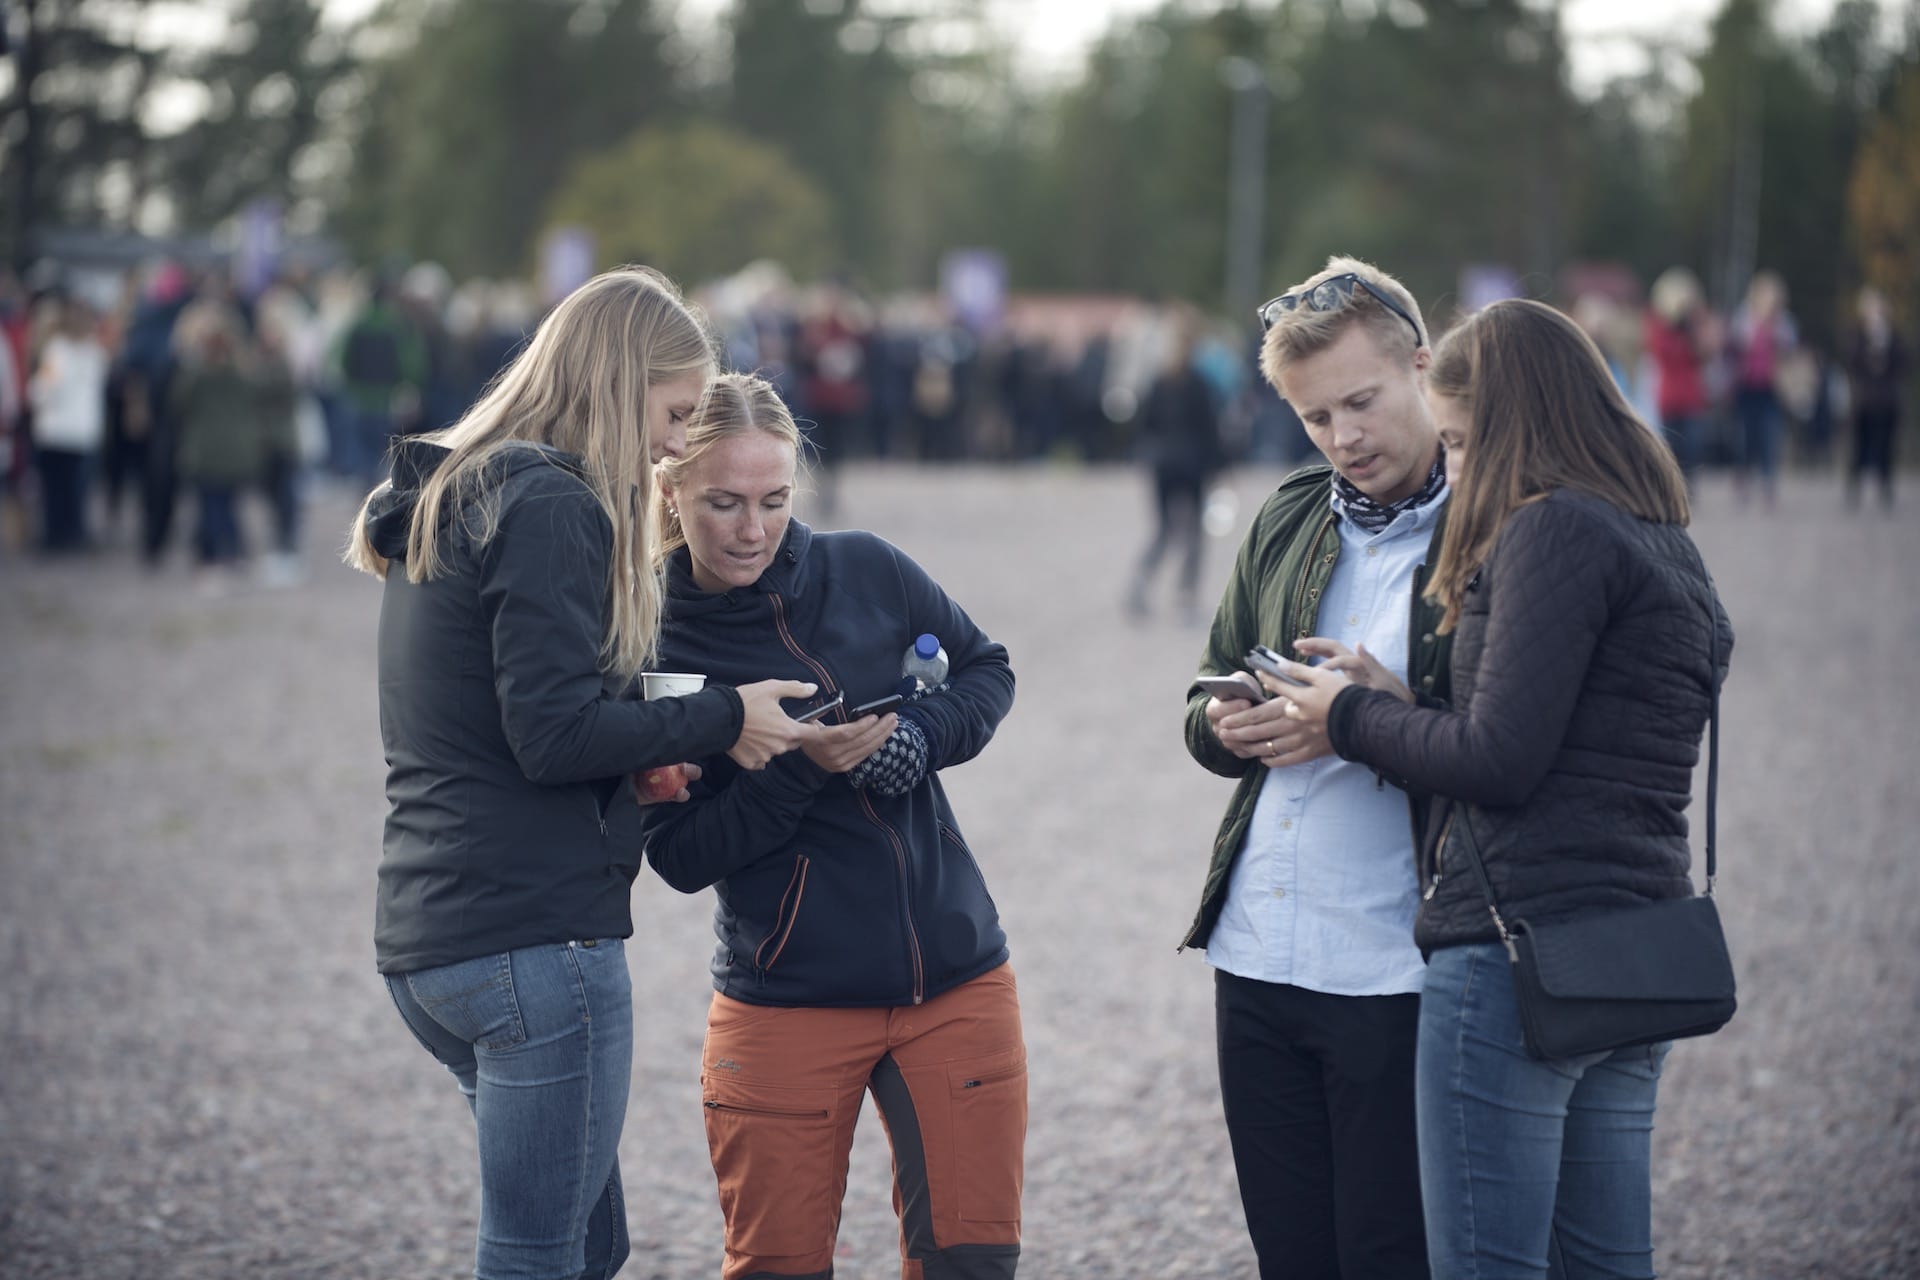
926, 645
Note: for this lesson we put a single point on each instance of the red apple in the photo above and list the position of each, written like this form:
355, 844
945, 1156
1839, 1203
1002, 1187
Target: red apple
663, 782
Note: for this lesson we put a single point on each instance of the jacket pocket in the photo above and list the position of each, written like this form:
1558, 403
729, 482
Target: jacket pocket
989, 1101
767, 954
952, 837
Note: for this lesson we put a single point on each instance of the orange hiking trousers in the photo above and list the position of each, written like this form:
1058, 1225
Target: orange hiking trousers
782, 1087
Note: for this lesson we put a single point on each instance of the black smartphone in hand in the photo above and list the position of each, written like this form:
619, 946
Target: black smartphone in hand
814, 713
878, 707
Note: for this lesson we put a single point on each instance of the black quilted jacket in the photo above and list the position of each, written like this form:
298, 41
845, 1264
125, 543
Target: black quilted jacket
1581, 669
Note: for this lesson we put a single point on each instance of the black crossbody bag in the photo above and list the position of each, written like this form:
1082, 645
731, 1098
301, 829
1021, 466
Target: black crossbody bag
1633, 975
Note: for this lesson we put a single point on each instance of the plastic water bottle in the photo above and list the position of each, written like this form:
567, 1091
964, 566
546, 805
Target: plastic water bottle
925, 663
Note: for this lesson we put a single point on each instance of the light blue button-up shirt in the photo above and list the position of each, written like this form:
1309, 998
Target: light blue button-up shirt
1323, 894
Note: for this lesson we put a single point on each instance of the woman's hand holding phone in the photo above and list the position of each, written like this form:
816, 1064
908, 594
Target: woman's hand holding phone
1361, 667
766, 729
838, 748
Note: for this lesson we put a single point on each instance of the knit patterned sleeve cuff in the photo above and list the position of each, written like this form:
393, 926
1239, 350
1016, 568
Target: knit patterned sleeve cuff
898, 766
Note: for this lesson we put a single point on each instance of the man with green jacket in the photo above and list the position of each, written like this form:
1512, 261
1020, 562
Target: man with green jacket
1307, 914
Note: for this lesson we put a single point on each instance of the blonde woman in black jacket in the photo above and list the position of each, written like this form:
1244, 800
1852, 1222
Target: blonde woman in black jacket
1587, 641
520, 602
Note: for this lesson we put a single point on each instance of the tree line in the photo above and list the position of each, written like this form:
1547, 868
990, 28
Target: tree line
868, 140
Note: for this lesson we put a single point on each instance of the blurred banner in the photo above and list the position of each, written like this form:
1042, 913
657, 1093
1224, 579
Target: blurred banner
974, 283
566, 262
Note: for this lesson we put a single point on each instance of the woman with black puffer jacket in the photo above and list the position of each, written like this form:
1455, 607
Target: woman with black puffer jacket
1588, 644
858, 948
520, 602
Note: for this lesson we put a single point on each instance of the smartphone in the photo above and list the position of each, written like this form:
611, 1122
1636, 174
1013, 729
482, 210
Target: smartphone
878, 707
1261, 658
814, 713
1228, 688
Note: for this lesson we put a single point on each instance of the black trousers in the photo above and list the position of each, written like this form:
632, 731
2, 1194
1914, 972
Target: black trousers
1318, 1091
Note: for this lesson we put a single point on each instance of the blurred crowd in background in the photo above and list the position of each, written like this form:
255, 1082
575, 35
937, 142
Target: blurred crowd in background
191, 412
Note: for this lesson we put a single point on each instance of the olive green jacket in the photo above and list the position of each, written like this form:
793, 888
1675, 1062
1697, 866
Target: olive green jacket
1273, 598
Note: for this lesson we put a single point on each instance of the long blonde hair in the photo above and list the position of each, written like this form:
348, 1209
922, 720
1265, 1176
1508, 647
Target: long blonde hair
581, 387
1545, 415
733, 403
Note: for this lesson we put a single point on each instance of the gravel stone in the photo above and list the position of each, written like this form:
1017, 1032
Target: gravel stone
204, 1077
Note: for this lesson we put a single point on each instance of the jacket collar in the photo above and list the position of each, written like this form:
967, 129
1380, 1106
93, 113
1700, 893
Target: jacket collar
789, 575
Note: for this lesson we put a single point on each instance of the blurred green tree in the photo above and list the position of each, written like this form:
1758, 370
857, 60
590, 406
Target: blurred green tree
469, 126
265, 85
1764, 160
697, 201
1883, 199
75, 143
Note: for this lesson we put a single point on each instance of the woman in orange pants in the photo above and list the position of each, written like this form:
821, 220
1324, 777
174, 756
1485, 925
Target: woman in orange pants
859, 949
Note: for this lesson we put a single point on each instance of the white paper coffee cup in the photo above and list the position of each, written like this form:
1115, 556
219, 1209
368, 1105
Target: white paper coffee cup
670, 684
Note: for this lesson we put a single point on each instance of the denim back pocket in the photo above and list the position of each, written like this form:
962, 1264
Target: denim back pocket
473, 999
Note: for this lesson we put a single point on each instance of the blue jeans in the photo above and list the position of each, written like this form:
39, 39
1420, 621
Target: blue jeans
1760, 427
218, 538
1527, 1168
541, 1043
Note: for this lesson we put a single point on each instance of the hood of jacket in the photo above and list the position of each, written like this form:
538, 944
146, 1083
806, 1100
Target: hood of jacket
390, 513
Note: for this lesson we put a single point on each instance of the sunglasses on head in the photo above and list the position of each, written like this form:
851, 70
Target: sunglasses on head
1332, 294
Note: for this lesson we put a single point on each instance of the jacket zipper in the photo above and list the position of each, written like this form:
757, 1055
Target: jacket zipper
1439, 847
899, 850
1300, 604
827, 685
784, 919
906, 893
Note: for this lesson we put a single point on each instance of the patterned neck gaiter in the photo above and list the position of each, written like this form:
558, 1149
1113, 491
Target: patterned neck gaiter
1375, 516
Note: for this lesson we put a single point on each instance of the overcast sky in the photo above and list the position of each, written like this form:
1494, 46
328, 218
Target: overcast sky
1053, 35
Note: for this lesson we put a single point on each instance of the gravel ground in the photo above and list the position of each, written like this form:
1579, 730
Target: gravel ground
203, 1077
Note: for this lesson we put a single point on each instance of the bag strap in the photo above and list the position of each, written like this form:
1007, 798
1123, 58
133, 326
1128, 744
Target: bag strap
1461, 813
1713, 750
1462, 816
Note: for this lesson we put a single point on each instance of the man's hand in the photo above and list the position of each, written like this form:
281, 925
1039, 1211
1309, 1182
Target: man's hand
1261, 731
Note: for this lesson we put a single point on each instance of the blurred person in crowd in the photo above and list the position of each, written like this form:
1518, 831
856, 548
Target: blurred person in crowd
68, 394
1762, 335
13, 410
148, 364
945, 356
221, 399
338, 300
520, 603
1180, 445
382, 367
1085, 383
1682, 337
1588, 640
123, 454
424, 292
1877, 366
286, 349
859, 948
834, 329
1307, 912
